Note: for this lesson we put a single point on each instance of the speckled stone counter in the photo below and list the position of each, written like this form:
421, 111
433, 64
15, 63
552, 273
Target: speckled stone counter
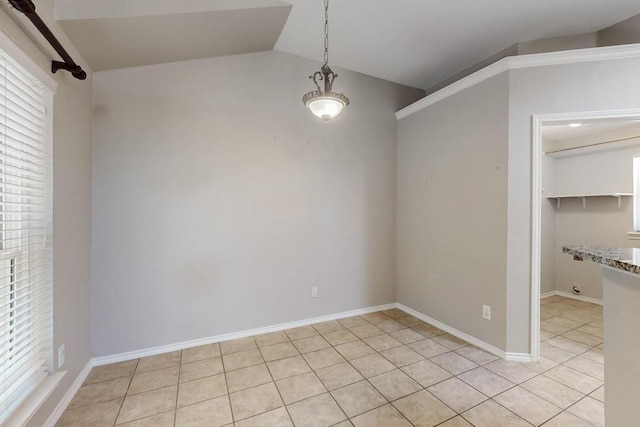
625, 259
621, 297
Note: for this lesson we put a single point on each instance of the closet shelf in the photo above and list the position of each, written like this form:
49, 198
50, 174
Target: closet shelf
584, 197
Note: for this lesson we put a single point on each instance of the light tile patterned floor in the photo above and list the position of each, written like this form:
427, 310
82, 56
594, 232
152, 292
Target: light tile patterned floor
383, 369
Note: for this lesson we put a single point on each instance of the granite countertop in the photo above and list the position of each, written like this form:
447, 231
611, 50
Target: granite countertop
625, 259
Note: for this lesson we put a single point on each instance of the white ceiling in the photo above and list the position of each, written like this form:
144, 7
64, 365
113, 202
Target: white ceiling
414, 42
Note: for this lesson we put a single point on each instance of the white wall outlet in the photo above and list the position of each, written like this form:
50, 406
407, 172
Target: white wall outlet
314, 292
486, 312
60, 356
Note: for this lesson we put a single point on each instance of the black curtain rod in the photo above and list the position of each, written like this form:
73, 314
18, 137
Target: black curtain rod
29, 9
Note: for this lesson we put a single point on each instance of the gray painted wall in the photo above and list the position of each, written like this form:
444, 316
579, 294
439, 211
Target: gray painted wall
71, 205
452, 207
219, 200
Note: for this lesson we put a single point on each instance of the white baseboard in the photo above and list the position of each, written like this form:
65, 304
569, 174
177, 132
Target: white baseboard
572, 296
453, 331
519, 357
66, 399
121, 357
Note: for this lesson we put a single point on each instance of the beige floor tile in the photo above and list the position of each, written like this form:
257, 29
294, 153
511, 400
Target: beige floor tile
450, 341
394, 384
598, 394
401, 356
288, 367
143, 405
527, 405
194, 354
554, 353
513, 371
318, 411
358, 398
456, 422
423, 409
242, 359
565, 419
394, 313
352, 322
567, 323
375, 318
248, 377
276, 418
384, 416
409, 321
477, 355
574, 379
389, 326
428, 348
152, 380
111, 371
552, 391
301, 332
545, 335
326, 327
567, 344
307, 345
456, 394
541, 366
99, 415
236, 346
323, 358
491, 414
272, 338
161, 420
587, 366
591, 330
583, 337
426, 373
428, 331
554, 328
355, 349
100, 392
340, 337
278, 351
200, 369
345, 423
595, 354
159, 361
366, 331
382, 342
590, 410
372, 364
201, 390
454, 363
299, 387
406, 336
582, 316
254, 401
486, 381
210, 413
339, 375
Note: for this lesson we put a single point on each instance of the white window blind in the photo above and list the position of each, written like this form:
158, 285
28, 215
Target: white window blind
25, 234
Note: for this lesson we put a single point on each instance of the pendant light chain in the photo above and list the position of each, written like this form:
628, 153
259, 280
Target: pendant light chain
326, 32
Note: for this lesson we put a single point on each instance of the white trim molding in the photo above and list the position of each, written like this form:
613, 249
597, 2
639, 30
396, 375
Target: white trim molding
571, 296
66, 399
524, 61
453, 331
121, 357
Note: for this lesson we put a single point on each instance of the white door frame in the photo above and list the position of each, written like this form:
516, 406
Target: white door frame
538, 121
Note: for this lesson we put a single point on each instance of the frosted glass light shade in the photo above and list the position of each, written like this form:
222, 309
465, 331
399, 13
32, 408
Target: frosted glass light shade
326, 107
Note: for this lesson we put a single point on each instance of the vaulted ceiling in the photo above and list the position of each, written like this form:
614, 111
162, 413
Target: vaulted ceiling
414, 42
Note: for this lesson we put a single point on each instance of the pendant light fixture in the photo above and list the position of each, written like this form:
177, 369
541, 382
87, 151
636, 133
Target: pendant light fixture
325, 103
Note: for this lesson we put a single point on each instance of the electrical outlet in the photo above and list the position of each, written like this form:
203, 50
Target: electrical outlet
486, 312
60, 356
314, 292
